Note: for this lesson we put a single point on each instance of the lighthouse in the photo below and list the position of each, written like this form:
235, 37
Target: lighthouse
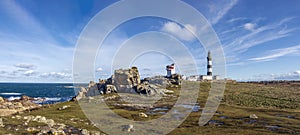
209, 64
170, 70
209, 76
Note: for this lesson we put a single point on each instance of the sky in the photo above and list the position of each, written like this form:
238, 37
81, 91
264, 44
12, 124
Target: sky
38, 39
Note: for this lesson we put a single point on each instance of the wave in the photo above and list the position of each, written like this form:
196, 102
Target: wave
10, 93
50, 100
13, 98
69, 87
42, 100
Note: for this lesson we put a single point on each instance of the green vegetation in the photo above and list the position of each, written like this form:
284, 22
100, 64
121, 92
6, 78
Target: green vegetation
276, 105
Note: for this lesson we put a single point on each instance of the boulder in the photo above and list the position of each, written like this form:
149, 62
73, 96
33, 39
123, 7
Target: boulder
149, 89
49, 122
128, 128
84, 132
64, 107
92, 90
18, 105
91, 84
57, 131
26, 98
45, 130
143, 115
95, 133
175, 79
110, 89
39, 119
31, 129
2, 100
253, 116
81, 93
158, 80
126, 80
1, 123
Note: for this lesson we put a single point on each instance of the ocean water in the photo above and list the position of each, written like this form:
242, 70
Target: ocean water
43, 93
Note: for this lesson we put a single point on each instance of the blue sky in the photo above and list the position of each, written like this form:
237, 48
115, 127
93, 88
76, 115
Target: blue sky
260, 39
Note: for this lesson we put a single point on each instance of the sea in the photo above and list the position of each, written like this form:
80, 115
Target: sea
43, 93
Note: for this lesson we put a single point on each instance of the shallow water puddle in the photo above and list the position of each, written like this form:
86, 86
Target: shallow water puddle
273, 127
177, 109
215, 123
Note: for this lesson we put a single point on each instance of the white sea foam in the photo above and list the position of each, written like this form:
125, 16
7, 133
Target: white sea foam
10, 93
40, 100
69, 87
13, 98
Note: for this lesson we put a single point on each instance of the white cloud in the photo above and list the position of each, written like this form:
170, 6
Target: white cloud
29, 73
99, 69
249, 26
184, 33
297, 72
3, 72
25, 66
273, 54
26, 20
288, 76
219, 10
275, 76
236, 19
37, 46
257, 36
56, 75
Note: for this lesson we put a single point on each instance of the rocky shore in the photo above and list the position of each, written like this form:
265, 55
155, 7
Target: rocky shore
247, 108
16, 106
31, 123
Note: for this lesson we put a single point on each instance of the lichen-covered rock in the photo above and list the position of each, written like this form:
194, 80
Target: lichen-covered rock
125, 80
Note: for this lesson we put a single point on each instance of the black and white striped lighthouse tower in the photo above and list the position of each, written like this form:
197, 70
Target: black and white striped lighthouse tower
209, 64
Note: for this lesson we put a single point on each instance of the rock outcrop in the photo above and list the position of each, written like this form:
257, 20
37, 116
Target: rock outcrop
126, 80
11, 107
129, 81
173, 81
